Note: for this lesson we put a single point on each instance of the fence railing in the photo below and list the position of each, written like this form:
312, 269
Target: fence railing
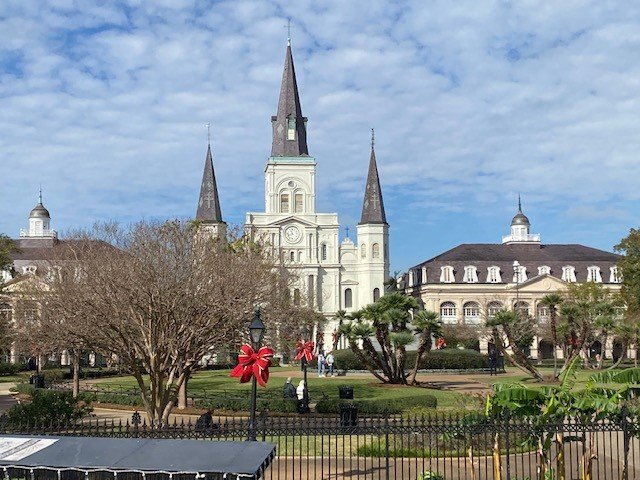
439, 447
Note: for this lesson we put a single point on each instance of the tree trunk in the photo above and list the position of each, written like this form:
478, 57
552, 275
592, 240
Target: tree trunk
75, 361
554, 339
182, 395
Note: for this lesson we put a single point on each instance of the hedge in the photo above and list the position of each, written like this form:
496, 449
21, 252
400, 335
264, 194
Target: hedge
375, 406
280, 405
9, 369
447, 359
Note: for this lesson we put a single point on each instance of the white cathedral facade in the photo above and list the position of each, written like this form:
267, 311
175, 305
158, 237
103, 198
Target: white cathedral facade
330, 275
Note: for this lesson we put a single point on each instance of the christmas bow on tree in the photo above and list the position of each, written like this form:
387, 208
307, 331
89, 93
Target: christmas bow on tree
253, 364
304, 349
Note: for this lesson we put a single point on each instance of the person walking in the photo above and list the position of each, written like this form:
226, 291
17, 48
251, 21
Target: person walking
330, 361
321, 361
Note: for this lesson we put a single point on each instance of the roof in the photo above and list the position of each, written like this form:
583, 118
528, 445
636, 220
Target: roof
47, 248
373, 205
248, 459
209, 202
289, 108
531, 256
39, 211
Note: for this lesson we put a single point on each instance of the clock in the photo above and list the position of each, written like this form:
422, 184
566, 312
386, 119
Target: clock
292, 234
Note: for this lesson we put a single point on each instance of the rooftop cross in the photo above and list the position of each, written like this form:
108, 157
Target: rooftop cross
208, 125
288, 27
373, 139
347, 229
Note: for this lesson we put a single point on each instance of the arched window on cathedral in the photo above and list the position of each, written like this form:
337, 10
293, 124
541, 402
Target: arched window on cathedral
375, 250
284, 203
348, 298
296, 297
376, 294
292, 256
323, 251
298, 203
363, 250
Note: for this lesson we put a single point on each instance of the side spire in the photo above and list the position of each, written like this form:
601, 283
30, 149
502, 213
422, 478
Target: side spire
209, 203
373, 205
289, 126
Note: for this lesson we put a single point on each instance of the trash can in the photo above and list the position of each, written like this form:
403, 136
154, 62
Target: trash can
38, 381
348, 415
32, 379
345, 393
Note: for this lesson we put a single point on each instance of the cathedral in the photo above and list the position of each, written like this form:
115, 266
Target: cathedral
331, 275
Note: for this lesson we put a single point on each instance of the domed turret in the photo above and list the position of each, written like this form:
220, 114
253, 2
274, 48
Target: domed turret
39, 221
520, 228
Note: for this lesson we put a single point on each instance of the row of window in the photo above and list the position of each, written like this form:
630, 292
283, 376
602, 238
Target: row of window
472, 313
375, 250
348, 297
494, 275
285, 202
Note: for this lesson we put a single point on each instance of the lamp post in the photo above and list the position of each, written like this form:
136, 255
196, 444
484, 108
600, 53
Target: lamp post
256, 334
516, 273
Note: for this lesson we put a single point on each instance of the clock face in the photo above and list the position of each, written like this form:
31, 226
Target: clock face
292, 233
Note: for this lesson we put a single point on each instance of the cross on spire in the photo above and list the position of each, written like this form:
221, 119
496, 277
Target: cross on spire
208, 125
347, 229
373, 138
288, 27
40, 194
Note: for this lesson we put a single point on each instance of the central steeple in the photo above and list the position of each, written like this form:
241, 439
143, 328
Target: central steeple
289, 126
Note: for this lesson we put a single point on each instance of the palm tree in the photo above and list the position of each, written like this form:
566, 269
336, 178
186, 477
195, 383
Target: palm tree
426, 324
553, 302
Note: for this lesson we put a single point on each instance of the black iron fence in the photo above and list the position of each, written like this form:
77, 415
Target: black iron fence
439, 447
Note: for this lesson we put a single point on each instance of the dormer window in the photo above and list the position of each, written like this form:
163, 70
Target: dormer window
615, 276
470, 274
291, 128
411, 278
544, 270
519, 273
569, 274
493, 275
446, 274
593, 274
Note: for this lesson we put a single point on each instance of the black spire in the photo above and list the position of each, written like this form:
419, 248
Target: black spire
373, 206
209, 203
289, 126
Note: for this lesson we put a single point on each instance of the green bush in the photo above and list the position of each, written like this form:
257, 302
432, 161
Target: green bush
48, 407
9, 369
115, 398
279, 405
447, 359
25, 388
453, 359
375, 406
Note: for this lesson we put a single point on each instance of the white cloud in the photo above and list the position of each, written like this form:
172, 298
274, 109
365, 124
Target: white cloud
472, 102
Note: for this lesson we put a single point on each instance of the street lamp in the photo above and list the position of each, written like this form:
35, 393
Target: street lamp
256, 334
516, 273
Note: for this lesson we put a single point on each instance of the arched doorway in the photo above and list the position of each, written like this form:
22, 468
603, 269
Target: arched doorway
618, 350
595, 349
545, 350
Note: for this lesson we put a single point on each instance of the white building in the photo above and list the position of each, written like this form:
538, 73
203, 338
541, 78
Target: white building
331, 274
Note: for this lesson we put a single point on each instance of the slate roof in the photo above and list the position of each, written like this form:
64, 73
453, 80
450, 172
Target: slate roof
43, 249
209, 203
373, 205
531, 256
289, 107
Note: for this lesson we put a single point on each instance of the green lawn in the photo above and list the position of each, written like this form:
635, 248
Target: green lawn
218, 383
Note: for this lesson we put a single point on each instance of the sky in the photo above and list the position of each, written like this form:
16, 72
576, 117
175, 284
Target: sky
473, 102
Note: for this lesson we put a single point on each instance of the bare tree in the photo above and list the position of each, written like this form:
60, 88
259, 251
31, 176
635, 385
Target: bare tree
159, 297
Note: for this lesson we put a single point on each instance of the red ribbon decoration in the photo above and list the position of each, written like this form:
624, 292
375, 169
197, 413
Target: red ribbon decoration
253, 364
304, 349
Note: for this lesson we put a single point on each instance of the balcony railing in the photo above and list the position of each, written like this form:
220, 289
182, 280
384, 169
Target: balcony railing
24, 232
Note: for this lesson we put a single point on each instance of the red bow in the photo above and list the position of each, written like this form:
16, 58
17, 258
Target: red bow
251, 363
304, 349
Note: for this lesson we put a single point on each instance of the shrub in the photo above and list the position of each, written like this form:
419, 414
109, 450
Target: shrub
377, 406
25, 388
280, 405
9, 369
347, 360
48, 407
453, 359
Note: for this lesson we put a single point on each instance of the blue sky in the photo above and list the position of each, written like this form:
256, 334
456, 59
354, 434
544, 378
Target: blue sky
472, 101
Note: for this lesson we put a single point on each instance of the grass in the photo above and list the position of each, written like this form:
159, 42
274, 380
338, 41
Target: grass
218, 383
